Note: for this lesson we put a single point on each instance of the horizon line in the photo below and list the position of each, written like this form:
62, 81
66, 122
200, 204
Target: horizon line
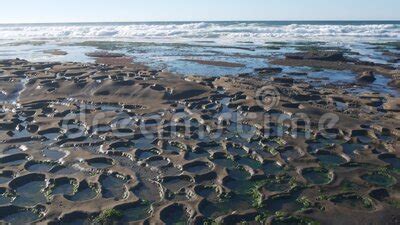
198, 21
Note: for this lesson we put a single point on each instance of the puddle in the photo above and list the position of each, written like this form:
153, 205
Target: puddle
250, 162
51, 134
13, 96
391, 159
210, 146
13, 160
157, 161
75, 218
84, 193
352, 201
175, 214
21, 216
113, 187
100, 163
224, 162
174, 184
147, 191
101, 129
236, 150
63, 186
279, 184
144, 143
6, 176
239, 174
196, 155
179, 196
362, 136
289, 154
172, 148
75, 131
364, 139
271, 168
38, 167
290, 221
239, 186
207, 192
330, 159
214, 210
170, 171
30, 193
351, 148
4, 200
53, 154
134, 212
197, 167
122, 146
380, 179
283, 203
317, 176
63, 170
323, 144
12, 151
145, 154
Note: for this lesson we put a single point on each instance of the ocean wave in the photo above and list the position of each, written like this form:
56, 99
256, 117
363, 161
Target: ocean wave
235, 31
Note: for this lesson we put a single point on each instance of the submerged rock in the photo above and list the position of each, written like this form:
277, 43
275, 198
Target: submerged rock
395, 83
392, 105
55, 52
366, 77
104, 54
283, 80
268, 70
317, 55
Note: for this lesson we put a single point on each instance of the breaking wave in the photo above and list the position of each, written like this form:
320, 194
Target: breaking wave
255, 31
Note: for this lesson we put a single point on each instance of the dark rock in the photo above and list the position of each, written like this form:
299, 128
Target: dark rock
55, 52
32, 128
395, 83
297, 74
392, 105
283, 80
268, 71
366, 77
104, 54
157, 87
317, 55
379, 194
255, 108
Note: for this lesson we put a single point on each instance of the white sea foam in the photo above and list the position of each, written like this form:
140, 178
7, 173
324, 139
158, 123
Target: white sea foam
200, 30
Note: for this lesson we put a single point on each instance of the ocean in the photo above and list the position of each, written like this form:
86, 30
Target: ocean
166, 45
255, 31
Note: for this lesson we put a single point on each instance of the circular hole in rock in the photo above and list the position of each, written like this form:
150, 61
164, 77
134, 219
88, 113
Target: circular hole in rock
317, 176
134, 211
380, 179
198, 167
100, 163
175, 214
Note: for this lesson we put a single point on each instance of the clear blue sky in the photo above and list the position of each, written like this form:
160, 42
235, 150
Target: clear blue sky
33, 11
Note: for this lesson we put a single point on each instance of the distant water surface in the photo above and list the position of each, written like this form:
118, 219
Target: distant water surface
174, 45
